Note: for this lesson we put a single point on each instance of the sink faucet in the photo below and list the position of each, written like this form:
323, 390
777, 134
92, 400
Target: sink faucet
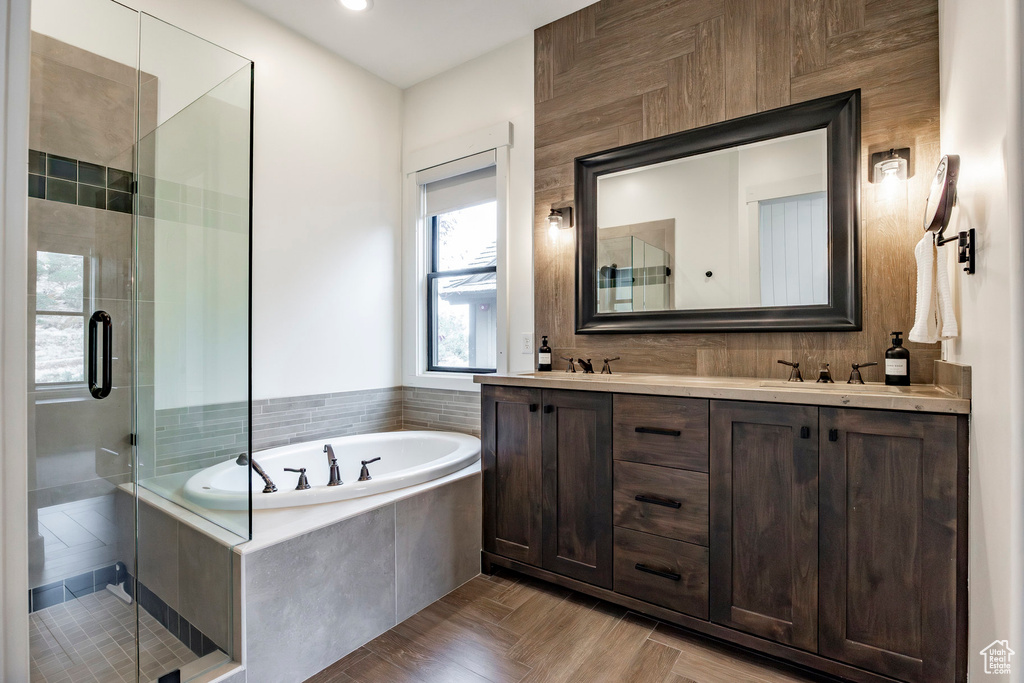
572, 363
269, 486
855, 377
794, 374
607, 368
586, 366
825, 375
333, 462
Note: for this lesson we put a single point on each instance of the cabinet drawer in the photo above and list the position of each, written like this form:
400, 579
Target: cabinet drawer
658, 430
661, 571
662, 501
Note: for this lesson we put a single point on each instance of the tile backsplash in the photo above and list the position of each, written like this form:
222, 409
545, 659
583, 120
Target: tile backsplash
71, 181
191, 438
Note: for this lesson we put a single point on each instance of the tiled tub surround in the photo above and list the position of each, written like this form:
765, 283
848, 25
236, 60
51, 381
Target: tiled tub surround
352, 580
441, 409
189, 439
318, 581
185, 570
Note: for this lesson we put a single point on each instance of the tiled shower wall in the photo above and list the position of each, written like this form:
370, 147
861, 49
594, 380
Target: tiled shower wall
191, 438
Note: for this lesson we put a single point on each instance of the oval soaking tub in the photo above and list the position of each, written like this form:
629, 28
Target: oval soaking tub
406, 459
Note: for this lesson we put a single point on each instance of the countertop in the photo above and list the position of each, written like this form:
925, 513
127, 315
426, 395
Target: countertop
925, 398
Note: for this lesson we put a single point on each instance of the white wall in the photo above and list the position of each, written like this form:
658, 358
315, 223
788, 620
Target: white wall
980, 60
488, 90
327, 205
14, 71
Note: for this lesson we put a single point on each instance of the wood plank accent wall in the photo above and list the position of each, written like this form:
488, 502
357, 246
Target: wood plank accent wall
621, 71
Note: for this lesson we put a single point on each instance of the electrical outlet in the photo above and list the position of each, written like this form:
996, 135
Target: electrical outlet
527, 344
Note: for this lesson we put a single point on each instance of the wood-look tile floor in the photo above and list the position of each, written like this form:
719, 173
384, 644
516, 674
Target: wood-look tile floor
508, 628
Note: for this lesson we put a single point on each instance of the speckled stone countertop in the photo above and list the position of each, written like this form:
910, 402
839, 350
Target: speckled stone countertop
924, 398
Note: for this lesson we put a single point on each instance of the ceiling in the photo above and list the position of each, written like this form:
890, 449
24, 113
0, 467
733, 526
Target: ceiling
407, 41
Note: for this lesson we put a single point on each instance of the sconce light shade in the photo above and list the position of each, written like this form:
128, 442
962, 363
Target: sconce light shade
560, 218
890, 165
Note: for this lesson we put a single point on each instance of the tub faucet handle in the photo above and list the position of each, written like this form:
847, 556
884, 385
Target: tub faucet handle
303, 482
333, 463
364, 474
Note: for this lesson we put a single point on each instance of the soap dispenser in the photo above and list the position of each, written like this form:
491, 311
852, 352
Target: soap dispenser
897, 363
544, 355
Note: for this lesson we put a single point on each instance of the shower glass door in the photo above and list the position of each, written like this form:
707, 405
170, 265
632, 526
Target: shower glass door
139, 224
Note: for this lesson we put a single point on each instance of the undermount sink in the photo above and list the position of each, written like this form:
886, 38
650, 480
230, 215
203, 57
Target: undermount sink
841, 387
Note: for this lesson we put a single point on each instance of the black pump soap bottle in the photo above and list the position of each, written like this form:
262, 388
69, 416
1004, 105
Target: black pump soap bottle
544, 355
897, 363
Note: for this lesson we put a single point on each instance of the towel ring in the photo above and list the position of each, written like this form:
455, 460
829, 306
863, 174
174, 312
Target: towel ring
939, 210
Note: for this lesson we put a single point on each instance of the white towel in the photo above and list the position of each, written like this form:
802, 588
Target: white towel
935, 318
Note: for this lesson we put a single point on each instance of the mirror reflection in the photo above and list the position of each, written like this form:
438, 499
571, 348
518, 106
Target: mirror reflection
734, 228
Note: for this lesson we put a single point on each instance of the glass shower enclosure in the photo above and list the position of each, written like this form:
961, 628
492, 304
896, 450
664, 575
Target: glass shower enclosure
139, 305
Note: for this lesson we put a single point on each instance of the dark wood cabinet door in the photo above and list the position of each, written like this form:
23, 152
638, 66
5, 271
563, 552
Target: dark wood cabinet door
764, 528
577, 507
512, 472
888, 517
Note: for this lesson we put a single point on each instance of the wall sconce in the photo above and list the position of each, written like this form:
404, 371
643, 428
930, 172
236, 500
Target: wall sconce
560, 218
890, 165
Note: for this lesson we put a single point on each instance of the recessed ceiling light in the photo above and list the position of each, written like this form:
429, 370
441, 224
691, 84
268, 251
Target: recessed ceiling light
357, 5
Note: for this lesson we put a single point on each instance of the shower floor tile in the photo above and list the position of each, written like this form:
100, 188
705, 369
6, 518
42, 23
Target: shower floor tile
92, 640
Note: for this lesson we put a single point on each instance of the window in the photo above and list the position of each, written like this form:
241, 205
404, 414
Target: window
462, 287
460, 235
60, 318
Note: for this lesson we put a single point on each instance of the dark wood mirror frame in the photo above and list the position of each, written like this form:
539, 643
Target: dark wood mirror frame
840, 116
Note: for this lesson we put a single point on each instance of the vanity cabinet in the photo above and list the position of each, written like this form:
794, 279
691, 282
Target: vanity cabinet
764, 520
831, 537
547, 473
888, 544
577, 511
510, 421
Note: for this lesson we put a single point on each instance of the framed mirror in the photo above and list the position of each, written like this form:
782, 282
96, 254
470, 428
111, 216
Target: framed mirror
745, 225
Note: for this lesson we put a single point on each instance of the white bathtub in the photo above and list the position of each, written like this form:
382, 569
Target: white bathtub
406, 459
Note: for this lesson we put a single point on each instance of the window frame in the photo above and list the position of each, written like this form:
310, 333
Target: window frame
84, 314
433, 274
416, 261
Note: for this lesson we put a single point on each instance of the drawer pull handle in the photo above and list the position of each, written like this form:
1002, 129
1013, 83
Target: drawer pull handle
657, 572
549, 409
533, 407
805, 432
657, 430
659, 501
833, 435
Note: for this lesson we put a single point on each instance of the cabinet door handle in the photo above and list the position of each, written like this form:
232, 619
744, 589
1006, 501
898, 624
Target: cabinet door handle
657, 572
658, 430
658, 501
833, 435
805, 432
549, 409
533, 407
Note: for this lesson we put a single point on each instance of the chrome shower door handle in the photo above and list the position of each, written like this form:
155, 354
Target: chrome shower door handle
101, 390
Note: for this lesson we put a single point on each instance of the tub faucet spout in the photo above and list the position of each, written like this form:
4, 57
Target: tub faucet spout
335, 470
